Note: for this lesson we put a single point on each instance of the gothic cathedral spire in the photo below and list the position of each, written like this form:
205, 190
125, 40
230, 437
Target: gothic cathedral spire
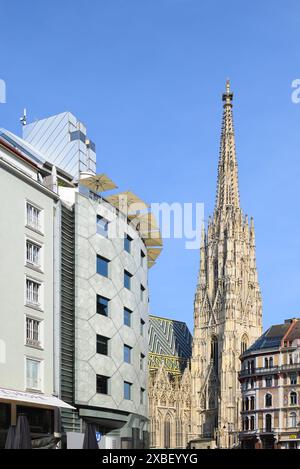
228, 309
228, 186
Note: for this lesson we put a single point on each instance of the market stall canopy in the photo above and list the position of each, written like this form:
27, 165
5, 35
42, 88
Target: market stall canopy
98, 183
127, 202
32, 398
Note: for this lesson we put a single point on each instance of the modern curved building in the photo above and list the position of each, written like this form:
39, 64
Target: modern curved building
110, 282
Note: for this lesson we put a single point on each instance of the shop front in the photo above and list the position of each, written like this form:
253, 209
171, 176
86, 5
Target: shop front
42, 412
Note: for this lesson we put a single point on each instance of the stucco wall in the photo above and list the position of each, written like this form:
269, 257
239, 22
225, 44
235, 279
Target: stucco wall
14, 193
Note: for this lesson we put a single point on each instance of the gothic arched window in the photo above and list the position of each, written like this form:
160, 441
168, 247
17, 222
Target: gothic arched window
214, 351
252, 403
244, 343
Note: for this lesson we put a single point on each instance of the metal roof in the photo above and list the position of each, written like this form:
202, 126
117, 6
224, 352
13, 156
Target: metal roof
24, 147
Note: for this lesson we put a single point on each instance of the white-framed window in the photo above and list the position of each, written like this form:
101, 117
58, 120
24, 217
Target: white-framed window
33, 216
293, 419
33, 292
33, 374
33, 253
33, 332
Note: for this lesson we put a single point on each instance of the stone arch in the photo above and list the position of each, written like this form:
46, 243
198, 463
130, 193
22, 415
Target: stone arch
244, 343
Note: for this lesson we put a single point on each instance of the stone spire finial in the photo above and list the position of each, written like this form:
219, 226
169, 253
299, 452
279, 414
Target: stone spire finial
228, 187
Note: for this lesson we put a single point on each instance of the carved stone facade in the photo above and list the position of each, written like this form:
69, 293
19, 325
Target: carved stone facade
170, 408
169, 383
205, 402
228, 306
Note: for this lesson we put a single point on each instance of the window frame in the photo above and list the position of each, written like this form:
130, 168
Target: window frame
293, 398
39, 226
107, 382
127, 275
104, 343
127, 349
102, 225
142, 327
28, 302
127, 243
98, 304
129, 389
107, 261
129, 311
39, 362
31, 342
28, 262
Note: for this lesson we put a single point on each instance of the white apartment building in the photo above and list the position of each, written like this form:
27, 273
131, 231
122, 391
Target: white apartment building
29, 234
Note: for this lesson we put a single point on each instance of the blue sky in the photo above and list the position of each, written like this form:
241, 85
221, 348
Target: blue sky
146, 77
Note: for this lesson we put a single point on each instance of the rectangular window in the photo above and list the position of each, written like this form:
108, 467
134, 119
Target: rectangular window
33, 332
33, 253
33, 217
127, 390
142, 359
127, 243
142, 396
102, 226
102, 344
102, 266
77, 135
102, 305
33, 292
127, 317
127, 279
268, 381
33, 374
142, 292
102, 384
127, 353
142, 327
293, 379
143, 255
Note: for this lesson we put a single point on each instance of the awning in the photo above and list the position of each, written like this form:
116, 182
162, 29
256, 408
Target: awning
98, 183
127, 202
32, 398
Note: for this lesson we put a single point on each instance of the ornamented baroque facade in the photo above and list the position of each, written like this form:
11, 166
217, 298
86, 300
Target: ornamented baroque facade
228, 306
270, 382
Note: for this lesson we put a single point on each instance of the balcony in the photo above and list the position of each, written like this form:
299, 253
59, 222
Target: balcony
33, 343
270, 370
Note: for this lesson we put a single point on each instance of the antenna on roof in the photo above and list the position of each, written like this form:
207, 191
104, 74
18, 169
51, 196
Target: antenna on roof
23, 119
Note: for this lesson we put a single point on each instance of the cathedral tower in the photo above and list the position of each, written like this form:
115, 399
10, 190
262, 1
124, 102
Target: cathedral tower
228, 307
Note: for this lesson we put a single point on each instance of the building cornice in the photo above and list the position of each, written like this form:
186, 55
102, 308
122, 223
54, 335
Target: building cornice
24, 177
